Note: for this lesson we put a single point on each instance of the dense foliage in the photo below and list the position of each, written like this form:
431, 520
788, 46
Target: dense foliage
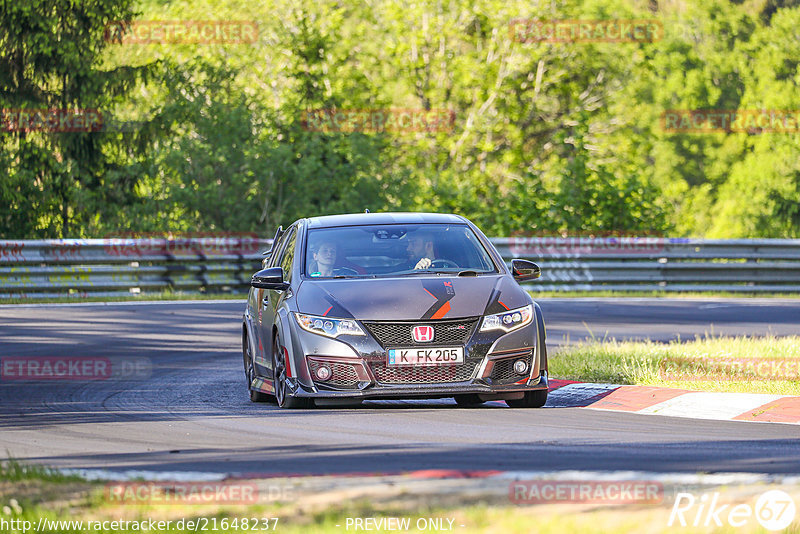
548, 136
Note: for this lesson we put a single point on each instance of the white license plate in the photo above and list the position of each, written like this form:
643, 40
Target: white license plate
425, 356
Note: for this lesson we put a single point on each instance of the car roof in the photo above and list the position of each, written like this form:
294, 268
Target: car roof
358, 219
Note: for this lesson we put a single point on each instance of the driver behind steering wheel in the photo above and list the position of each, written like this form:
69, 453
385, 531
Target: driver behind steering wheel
421, 249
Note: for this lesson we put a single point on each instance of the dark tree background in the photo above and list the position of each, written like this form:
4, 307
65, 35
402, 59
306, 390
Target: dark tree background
548, 137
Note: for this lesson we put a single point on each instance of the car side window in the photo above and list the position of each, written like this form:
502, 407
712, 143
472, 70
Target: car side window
287, 255
277, 250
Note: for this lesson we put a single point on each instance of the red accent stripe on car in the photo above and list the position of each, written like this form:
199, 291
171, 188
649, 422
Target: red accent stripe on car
501, 304
326, 311
441, 312
428, 292
286, 362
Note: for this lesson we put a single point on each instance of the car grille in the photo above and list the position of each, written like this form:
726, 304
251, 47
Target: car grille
423, 374
503, 370
343, 375
455, 332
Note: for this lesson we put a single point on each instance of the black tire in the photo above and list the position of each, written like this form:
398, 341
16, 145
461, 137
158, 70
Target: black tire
250, 371
532, 399
282, 397
468, 400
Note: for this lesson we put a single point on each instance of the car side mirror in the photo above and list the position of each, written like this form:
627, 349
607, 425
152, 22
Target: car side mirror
523, 270
270, 278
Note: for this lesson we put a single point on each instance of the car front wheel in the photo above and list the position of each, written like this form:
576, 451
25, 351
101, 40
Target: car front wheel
532, 399
285, 400
469, 400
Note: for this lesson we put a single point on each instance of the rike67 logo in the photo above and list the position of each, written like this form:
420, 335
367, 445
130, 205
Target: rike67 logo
774, 510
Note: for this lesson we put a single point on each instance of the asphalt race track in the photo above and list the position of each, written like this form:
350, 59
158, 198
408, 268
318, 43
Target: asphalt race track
176, 401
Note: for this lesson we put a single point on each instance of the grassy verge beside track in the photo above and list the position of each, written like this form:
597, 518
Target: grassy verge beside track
732, 364
170, 295
332, 505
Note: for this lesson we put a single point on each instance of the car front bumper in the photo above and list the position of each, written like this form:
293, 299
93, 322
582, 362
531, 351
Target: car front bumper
427, 391
359, 371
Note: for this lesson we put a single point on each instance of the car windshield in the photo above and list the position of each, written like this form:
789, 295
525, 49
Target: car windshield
395, 250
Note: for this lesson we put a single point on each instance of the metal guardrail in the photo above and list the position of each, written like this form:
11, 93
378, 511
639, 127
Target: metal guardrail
115, 267
659, 264
120, 267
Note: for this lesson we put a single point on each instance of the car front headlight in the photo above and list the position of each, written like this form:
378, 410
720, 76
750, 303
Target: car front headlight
326, 326
508, 321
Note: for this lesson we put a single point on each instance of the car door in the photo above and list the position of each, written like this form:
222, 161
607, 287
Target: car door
270, 299
262, 330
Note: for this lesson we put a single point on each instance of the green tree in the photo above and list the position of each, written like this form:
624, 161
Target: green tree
50, 57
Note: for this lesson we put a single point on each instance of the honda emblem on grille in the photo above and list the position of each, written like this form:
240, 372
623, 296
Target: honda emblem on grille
422, 334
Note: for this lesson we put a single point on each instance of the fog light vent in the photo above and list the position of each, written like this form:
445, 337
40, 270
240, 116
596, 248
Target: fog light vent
323, 372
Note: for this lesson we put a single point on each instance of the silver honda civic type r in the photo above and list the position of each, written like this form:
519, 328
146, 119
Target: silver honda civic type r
392, 306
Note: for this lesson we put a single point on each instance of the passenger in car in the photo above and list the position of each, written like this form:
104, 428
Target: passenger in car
325, 259
328, 261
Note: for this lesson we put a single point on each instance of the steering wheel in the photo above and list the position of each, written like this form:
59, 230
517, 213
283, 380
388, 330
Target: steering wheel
445, 263
347, 270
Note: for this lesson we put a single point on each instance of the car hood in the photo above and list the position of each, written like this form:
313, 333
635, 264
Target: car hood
411, 298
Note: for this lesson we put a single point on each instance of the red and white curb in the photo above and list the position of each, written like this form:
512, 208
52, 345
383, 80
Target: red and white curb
676, 402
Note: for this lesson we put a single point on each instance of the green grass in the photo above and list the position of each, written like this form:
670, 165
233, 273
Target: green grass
12, 470
176, 295
735, 364
30, 493
475, 518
